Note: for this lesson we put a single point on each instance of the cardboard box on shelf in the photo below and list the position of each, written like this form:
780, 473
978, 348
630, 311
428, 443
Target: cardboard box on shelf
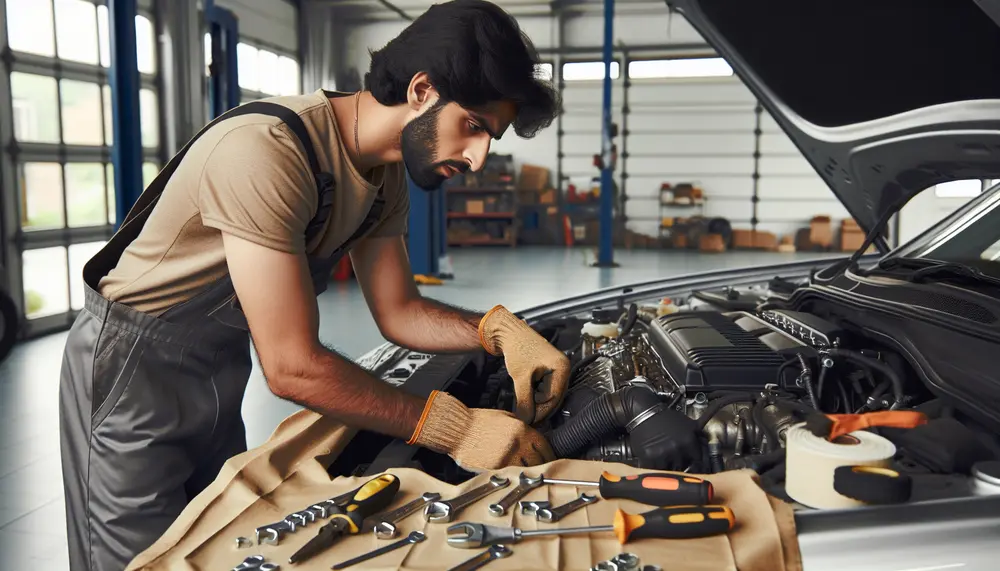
475, 207
533, 177
547, 196
765, 240
742, 239
821, 231
711, 243
851, 236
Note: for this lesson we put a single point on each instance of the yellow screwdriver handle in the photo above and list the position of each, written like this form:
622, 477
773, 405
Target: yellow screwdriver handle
370, 499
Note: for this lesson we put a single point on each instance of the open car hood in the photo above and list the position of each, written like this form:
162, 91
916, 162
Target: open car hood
884, 98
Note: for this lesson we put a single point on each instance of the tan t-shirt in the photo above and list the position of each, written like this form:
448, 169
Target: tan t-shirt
249, 176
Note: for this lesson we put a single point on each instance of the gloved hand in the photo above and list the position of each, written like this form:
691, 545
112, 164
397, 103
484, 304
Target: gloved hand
530, 360
478, 439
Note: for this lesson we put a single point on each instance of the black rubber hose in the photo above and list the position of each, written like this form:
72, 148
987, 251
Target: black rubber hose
820, 384
633, 314
665, 439
807, 381
716, 405
886, 370
843, 394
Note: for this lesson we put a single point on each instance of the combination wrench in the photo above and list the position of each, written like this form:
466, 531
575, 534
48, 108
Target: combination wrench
531, 507
552, 515
445, 511
384, 524
413, 538
525, 485
494, 552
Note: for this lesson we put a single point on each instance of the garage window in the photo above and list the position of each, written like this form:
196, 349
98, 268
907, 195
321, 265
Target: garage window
587, 70
679, 68
58, 54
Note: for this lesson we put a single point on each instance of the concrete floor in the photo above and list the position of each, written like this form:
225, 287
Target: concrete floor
32, 514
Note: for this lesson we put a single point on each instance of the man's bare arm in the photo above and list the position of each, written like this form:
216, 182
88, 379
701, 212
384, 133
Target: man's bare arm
277, 296
404, 316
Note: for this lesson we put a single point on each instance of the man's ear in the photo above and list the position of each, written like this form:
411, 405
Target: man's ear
420, 91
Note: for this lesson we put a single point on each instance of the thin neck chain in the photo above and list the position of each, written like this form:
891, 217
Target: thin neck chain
357, 140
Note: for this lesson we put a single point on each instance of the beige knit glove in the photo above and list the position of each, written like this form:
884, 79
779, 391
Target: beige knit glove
540, 371
478, 439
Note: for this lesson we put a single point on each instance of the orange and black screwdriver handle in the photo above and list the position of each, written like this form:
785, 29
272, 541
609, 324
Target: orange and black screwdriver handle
657, 489
676, 522
370, 499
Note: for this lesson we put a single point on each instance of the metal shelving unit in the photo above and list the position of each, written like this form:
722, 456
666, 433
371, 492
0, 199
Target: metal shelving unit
506, 217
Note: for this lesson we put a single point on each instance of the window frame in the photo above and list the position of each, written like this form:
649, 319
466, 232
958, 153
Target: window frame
15, 239
247, 95
567, 61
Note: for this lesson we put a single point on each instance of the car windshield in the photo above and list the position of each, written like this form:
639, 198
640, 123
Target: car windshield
971, 235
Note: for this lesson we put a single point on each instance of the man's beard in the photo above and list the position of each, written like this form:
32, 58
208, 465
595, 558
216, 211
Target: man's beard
418, 142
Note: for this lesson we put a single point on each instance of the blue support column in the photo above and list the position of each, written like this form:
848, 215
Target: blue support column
423, 224
605, 254
126, 153
223, 84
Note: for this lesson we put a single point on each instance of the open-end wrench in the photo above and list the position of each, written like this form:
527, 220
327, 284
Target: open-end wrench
531, 507
443, 512
552, 515
414, 537
525, 485
384, 524
494, 552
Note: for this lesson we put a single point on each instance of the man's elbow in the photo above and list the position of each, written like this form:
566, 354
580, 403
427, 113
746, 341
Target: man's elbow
394, 325
287, 375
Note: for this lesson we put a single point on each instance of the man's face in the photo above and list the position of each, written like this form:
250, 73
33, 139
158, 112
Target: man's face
448, 139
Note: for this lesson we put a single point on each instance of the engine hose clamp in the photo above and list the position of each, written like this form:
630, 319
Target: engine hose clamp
644, 416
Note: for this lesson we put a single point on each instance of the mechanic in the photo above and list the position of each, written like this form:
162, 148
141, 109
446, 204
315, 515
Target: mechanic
232, 242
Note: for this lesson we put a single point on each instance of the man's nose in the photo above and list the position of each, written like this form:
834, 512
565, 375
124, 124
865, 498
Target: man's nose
476, 153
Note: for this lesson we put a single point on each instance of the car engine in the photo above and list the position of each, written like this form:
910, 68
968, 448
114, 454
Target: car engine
710, 381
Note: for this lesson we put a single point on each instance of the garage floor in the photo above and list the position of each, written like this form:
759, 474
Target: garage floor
32, 533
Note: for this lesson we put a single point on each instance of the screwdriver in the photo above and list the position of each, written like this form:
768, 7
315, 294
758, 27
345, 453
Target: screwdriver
676, 522
371, 498
651, 488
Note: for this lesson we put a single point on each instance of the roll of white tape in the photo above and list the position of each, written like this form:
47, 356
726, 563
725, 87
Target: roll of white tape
811, 460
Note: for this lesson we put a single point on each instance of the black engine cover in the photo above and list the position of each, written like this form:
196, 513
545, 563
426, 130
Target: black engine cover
708, 351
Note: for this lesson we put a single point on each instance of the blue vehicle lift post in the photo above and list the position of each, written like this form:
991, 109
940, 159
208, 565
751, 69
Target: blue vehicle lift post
223, 83
123, 79
426, 229
605, 254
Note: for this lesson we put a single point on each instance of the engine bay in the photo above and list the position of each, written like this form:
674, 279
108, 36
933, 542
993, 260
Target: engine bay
704, 383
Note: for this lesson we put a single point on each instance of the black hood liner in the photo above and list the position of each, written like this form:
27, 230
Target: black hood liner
884, 98
845, 62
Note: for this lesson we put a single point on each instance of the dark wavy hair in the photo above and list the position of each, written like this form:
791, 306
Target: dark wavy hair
474, 53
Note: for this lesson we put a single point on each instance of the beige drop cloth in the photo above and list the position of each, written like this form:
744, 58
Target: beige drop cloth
288, 473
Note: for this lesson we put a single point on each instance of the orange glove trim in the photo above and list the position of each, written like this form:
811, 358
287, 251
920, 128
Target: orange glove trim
423, 418
482, 338
846, 423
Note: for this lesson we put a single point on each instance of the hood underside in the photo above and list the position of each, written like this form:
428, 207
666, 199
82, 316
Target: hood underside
884, 98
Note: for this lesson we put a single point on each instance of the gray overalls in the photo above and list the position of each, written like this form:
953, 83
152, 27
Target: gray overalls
150, 406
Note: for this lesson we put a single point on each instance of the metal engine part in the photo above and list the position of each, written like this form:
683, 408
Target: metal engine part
734, 428
623, 362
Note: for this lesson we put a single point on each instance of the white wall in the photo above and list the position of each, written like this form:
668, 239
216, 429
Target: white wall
270, 21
